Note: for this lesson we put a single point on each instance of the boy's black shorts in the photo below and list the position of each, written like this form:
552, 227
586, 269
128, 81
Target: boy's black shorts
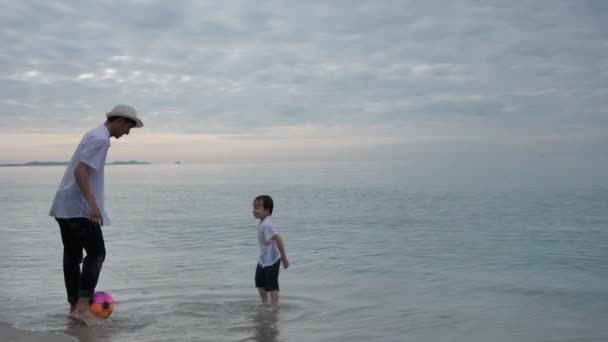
268, 277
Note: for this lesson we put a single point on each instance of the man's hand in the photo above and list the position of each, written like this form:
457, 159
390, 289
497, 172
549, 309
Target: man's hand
285, 262
95, 214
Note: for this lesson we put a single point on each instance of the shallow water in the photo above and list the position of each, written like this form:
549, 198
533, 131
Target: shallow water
419, 251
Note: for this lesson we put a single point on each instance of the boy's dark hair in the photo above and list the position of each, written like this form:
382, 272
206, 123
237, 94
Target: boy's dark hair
266, 201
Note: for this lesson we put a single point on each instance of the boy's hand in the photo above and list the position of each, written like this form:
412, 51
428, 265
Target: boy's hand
285, 262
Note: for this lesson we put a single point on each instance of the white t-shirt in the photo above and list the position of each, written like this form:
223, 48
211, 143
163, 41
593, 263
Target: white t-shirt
69, 202
269, 252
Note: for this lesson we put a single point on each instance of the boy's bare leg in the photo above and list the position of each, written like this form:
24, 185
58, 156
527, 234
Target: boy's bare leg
274, 299
81, 313
263, 296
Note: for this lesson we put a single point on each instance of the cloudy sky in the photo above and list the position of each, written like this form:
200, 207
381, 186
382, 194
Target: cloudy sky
306, 80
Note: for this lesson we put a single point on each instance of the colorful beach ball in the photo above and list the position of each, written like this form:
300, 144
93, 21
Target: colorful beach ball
101, 304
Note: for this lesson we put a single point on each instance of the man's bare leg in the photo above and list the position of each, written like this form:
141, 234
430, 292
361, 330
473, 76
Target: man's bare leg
263, 296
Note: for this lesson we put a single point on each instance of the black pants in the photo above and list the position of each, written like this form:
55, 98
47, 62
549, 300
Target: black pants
77, 234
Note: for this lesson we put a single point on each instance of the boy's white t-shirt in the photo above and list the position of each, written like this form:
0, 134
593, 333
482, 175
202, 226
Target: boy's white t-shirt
269, 252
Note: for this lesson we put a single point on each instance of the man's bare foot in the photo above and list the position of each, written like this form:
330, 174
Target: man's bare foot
82, 314
88, 318
73, 316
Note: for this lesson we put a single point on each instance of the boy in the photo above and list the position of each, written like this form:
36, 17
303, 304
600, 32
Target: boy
78, 207
272, 252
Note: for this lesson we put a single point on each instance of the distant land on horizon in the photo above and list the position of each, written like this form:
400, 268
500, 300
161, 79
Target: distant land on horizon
56, 163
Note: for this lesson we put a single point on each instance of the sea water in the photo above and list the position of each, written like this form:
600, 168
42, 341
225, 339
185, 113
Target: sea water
420, 250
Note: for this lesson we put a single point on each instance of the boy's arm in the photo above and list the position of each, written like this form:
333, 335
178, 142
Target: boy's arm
281, 247
82, 179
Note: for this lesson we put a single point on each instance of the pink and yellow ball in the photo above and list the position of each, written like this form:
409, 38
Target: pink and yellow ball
101, 304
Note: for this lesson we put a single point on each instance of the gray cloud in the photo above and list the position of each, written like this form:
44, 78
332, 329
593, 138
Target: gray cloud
227, 67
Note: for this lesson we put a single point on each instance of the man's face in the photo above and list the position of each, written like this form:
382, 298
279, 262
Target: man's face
123, 126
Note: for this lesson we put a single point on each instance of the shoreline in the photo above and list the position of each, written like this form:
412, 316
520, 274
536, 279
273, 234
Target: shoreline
9, 333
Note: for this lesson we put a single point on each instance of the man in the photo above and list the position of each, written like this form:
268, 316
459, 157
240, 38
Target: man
78, 207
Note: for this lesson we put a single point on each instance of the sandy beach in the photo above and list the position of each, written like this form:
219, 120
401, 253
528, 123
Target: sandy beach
10, 334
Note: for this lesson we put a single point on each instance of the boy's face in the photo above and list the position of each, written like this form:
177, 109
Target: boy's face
258, 210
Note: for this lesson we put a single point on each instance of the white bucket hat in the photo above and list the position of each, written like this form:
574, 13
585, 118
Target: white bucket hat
125, 112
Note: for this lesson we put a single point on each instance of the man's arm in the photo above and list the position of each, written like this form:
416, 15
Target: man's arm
281, 247
81, 173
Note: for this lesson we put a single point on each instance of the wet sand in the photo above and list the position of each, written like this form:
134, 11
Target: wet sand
8, 333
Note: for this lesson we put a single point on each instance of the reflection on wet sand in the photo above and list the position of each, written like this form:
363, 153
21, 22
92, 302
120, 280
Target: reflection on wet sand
86, 333
265, 322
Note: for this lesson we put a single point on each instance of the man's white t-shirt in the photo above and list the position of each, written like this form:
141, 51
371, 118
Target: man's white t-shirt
69, 201
269, 252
